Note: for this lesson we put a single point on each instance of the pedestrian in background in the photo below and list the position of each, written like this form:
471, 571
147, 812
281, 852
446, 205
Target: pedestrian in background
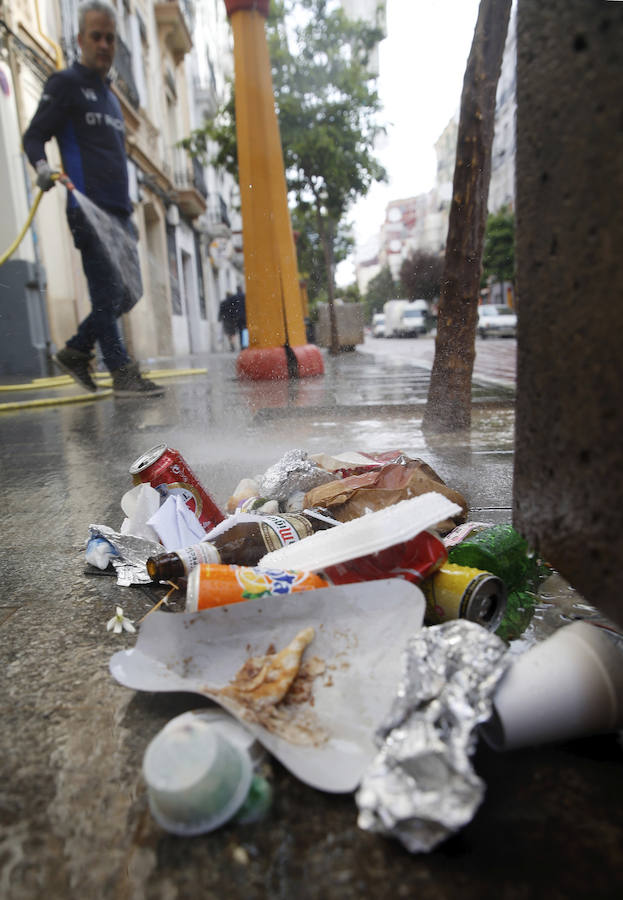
240, 308
228, 315
80, 110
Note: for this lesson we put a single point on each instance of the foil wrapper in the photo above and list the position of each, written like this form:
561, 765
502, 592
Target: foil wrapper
133, 553
293, 473
421, 787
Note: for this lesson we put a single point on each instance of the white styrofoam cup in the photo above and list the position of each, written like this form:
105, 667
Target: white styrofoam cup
568, 686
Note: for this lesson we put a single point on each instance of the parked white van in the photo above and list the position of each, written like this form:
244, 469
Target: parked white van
378, 325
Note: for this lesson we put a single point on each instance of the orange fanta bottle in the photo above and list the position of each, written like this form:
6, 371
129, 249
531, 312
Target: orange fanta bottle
212, 585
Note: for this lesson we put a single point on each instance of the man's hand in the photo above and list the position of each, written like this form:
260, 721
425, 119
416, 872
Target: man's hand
44, 175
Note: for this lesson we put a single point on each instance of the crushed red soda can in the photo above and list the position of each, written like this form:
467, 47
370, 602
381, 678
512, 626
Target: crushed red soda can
166, 470
414, 560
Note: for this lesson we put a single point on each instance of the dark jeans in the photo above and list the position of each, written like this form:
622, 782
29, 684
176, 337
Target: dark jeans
108, 288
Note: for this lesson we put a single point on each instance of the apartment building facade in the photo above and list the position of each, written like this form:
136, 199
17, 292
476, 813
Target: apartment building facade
502, 183
421, 222
210, 72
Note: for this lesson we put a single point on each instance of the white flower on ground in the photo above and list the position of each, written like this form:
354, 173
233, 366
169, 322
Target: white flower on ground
119, 623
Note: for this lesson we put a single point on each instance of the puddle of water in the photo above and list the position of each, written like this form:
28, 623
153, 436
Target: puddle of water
559, 604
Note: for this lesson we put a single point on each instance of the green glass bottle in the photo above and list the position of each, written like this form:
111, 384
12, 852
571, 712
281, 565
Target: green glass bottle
501, 550
520, 606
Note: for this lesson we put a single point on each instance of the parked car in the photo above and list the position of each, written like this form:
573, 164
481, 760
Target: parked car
378, 325
496, 321
413, 322
404, 318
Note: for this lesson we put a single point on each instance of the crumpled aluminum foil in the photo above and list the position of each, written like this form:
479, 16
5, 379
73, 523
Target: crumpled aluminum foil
133, 554
292, 473
421, 786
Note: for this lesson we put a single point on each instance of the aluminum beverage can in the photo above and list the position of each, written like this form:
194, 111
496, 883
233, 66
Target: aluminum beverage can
460, 592
168, 472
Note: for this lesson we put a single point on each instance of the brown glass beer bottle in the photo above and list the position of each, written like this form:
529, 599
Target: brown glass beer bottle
243, 544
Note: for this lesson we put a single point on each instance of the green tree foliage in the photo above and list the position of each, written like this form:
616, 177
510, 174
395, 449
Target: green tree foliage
498, 258
351, 293
311, 259
215, 142
327, 104
381, 288
420, 275
328, 110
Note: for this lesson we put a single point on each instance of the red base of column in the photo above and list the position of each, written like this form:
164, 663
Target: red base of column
310, 360
271, 363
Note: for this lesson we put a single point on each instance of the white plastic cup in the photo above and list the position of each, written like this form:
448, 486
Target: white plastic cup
569, 686
196, 778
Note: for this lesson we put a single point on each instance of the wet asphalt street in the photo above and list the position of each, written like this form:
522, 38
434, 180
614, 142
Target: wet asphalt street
74, 820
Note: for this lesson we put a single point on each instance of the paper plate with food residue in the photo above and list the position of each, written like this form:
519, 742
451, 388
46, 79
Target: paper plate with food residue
311, 675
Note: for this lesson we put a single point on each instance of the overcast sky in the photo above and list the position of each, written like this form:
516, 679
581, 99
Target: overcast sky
422, 63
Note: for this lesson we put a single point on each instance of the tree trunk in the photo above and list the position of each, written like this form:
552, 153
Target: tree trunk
449, 403
326, 239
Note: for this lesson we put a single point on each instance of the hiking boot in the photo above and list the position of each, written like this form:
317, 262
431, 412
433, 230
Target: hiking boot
127, 381
78, 365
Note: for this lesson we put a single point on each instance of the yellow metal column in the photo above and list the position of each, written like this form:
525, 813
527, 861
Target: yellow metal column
273, 300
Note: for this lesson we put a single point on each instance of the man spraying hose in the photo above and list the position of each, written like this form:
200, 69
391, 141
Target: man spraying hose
80, 110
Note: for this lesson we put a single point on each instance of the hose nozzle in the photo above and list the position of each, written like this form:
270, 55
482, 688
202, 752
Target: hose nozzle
64, 179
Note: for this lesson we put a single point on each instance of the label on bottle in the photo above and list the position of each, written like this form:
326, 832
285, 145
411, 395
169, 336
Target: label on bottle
218, 585
200, 553
277, 531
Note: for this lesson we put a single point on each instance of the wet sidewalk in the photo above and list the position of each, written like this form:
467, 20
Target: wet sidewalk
73, 811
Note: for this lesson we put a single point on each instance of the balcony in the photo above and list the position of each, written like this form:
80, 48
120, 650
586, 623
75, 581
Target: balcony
216, 219
190, 188
173, 20
206, 98
122, 74
199, 178
238, 250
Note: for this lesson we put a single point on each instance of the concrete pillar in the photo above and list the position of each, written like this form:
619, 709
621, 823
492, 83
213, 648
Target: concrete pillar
568, 485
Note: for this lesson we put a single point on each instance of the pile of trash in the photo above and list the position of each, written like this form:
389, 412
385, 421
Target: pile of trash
397, 633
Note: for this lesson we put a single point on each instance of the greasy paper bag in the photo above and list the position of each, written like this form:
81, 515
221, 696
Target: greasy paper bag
349, 498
